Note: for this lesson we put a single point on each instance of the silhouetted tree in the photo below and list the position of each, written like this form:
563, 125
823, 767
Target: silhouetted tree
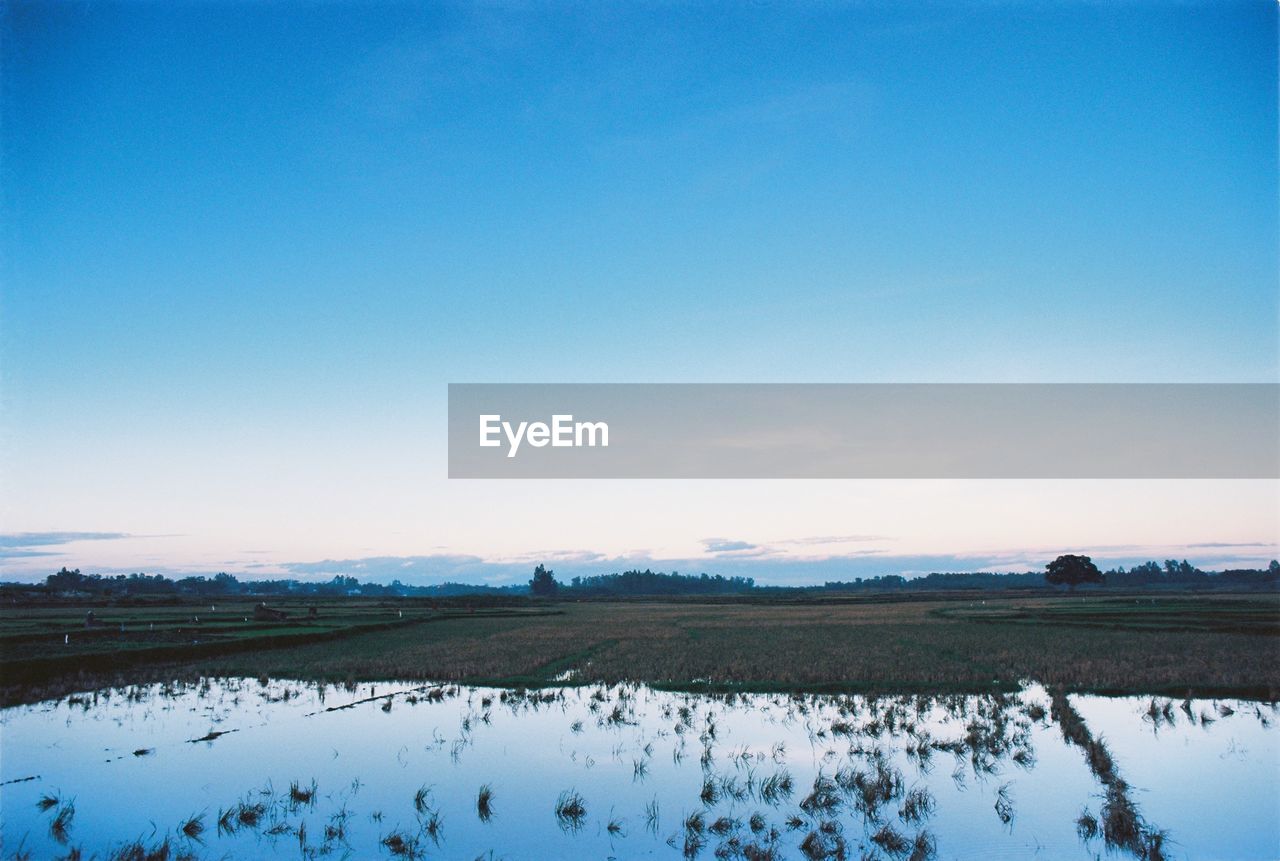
1072, 571
65, 580
544, 583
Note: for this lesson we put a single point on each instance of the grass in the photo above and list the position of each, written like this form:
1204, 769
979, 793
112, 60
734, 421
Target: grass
924, 847
433, 826
402, 845
724, 825
1004, 804
860, 804
652, 817
60, 827
1121, 824
1087, 825
193, 827
250, 814
1238, 615
776, 788
1174, 646
890, 840
571, 810
824, 799
300, 794
484, 803
821, 844
917, 806
139, 851
38, 642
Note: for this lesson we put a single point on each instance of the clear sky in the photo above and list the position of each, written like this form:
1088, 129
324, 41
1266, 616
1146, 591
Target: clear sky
246, 246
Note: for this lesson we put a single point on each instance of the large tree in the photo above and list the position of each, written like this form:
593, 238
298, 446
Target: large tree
544, 583
1071, 571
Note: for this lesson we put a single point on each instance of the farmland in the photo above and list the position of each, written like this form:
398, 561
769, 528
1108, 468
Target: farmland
1171, 644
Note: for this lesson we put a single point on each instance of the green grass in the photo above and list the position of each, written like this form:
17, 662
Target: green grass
1176, 645
44, 644
1241, 615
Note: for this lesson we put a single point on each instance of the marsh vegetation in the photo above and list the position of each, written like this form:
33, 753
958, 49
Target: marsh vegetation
453, 771
1174, 645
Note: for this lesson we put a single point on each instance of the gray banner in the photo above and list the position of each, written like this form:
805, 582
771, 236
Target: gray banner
1183, 430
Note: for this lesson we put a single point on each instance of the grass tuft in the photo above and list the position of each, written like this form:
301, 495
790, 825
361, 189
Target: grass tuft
571, 811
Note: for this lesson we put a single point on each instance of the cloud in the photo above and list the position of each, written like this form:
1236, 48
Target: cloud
23, 545
555, 556
1218, 544
724, 545
833, 539
434, 568
50, 539
722, 548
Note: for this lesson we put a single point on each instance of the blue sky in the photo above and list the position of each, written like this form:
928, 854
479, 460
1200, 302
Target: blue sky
247, 245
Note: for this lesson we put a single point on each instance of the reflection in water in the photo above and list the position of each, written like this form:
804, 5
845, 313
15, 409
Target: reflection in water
1122, 826
257, 768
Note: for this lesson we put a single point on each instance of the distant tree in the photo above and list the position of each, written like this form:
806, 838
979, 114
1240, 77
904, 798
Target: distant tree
649, 582
1072, 570
1274, 568
65, 581
543, 584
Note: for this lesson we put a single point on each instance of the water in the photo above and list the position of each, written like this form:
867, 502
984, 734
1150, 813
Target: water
988, 776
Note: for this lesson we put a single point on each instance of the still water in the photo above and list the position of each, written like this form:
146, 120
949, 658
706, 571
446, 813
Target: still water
241, 768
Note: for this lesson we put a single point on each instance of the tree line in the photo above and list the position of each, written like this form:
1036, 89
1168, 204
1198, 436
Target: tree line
1069, 571
228, 585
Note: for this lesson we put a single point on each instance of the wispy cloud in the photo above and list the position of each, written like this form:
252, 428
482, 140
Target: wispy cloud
21, 545
49, 539
817, 546
433, 568
832, 539
1215, 544
572, 556
724, 545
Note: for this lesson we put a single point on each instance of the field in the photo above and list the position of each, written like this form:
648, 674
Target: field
1170, 644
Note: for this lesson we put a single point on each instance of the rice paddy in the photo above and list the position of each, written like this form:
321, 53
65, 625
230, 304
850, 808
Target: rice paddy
912, 728
1179, 646
254, 768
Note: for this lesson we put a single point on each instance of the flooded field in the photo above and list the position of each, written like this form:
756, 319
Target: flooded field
249, 768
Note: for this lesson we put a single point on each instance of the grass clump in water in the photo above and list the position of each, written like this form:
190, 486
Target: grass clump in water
888, 839
917, 805
402, 845
300, 794
571, 810
193, 827
61, 824
484, 803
